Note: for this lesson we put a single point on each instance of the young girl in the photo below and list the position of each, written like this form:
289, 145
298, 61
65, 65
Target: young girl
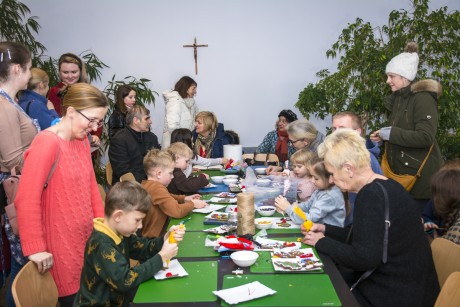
446, 200
33, 99
185, 136
300, 161
326, 204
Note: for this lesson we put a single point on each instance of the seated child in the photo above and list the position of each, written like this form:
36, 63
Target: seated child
300, 161
182, 184
446, 204
184, 135
326, 204
107, 278
158, 166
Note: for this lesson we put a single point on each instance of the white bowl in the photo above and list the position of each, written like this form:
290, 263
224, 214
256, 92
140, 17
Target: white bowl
263, 182
229, 181
266, 210
263, 223
231, 177
244, 258
260, 170
217, 179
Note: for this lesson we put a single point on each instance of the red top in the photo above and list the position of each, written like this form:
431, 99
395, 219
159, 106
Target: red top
59, 219
54, 98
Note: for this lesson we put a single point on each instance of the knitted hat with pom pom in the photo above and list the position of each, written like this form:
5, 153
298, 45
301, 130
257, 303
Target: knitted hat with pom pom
406, 63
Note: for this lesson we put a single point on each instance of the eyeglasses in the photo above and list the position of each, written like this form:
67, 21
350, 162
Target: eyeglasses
92, 122
293, 142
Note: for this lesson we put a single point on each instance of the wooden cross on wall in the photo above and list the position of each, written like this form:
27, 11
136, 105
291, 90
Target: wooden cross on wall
195, 53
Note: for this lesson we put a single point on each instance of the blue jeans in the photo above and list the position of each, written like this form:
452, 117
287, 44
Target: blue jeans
15, 268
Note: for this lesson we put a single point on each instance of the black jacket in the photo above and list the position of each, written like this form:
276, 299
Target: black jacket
117, 122
127, 150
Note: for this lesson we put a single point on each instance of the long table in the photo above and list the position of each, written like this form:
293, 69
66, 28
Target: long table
208, 271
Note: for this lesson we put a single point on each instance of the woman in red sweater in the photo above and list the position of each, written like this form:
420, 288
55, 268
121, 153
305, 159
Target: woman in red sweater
56, 221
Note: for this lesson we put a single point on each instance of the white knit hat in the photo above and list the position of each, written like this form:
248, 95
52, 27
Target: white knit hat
406, 63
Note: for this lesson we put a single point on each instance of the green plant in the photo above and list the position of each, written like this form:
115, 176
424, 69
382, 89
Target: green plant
16, 25
363, 50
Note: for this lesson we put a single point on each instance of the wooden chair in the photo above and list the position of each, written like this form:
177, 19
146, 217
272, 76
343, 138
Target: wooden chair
262, 157
102, 192
30, 288
450, 294
128, 177
109, 173
446, 255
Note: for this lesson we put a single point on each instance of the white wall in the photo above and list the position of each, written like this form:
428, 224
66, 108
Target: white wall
261, 53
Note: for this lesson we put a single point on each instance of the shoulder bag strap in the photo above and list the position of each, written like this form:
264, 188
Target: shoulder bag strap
424, 161
385, 238
53, 168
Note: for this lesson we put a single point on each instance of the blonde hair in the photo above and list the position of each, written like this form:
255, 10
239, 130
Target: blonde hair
180, 149
157, 158
302, 129
303, 156
345, 146
209, 120
82, 96
37, 75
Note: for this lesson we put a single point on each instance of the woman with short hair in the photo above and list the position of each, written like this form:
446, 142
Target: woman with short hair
391, 247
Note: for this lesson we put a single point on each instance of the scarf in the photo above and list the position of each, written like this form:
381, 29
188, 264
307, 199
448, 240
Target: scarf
204, 144
281, 148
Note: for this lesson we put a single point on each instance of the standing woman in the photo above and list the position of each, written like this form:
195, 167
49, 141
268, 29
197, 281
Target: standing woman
33, 99
17, 131
413, 120
71, 70
56, 221
180, 108
209, 136
124, 100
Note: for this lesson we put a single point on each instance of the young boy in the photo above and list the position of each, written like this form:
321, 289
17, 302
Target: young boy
158, 166
106, 277
180, 184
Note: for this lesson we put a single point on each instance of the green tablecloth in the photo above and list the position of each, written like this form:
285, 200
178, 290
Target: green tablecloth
196, 287
193, 246
292, 289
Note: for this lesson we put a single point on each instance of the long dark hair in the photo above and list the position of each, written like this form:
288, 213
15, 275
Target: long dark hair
122, 91
12, 53
183, 85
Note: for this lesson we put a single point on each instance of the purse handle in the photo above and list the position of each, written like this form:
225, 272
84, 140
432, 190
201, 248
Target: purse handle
421, 165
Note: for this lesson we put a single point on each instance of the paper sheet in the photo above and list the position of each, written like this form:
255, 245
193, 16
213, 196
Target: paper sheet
244, 293
175, 269
209, 208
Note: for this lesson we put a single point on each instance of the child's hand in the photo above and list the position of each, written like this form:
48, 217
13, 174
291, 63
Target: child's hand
179, 232
314, 228
198, 203
224, 161
205, 175
282, 203
272, 169
168, 251
429, 226
191, 197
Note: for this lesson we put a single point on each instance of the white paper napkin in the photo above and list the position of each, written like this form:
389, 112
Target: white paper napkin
223, 200
244, 293
175, 268
209, 209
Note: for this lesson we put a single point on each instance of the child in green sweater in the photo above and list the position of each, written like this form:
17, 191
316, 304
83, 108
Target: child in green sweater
107, 278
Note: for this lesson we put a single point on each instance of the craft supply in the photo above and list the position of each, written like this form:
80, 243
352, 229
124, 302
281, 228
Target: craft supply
172, 240
245, 203
234, 152
307, 223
